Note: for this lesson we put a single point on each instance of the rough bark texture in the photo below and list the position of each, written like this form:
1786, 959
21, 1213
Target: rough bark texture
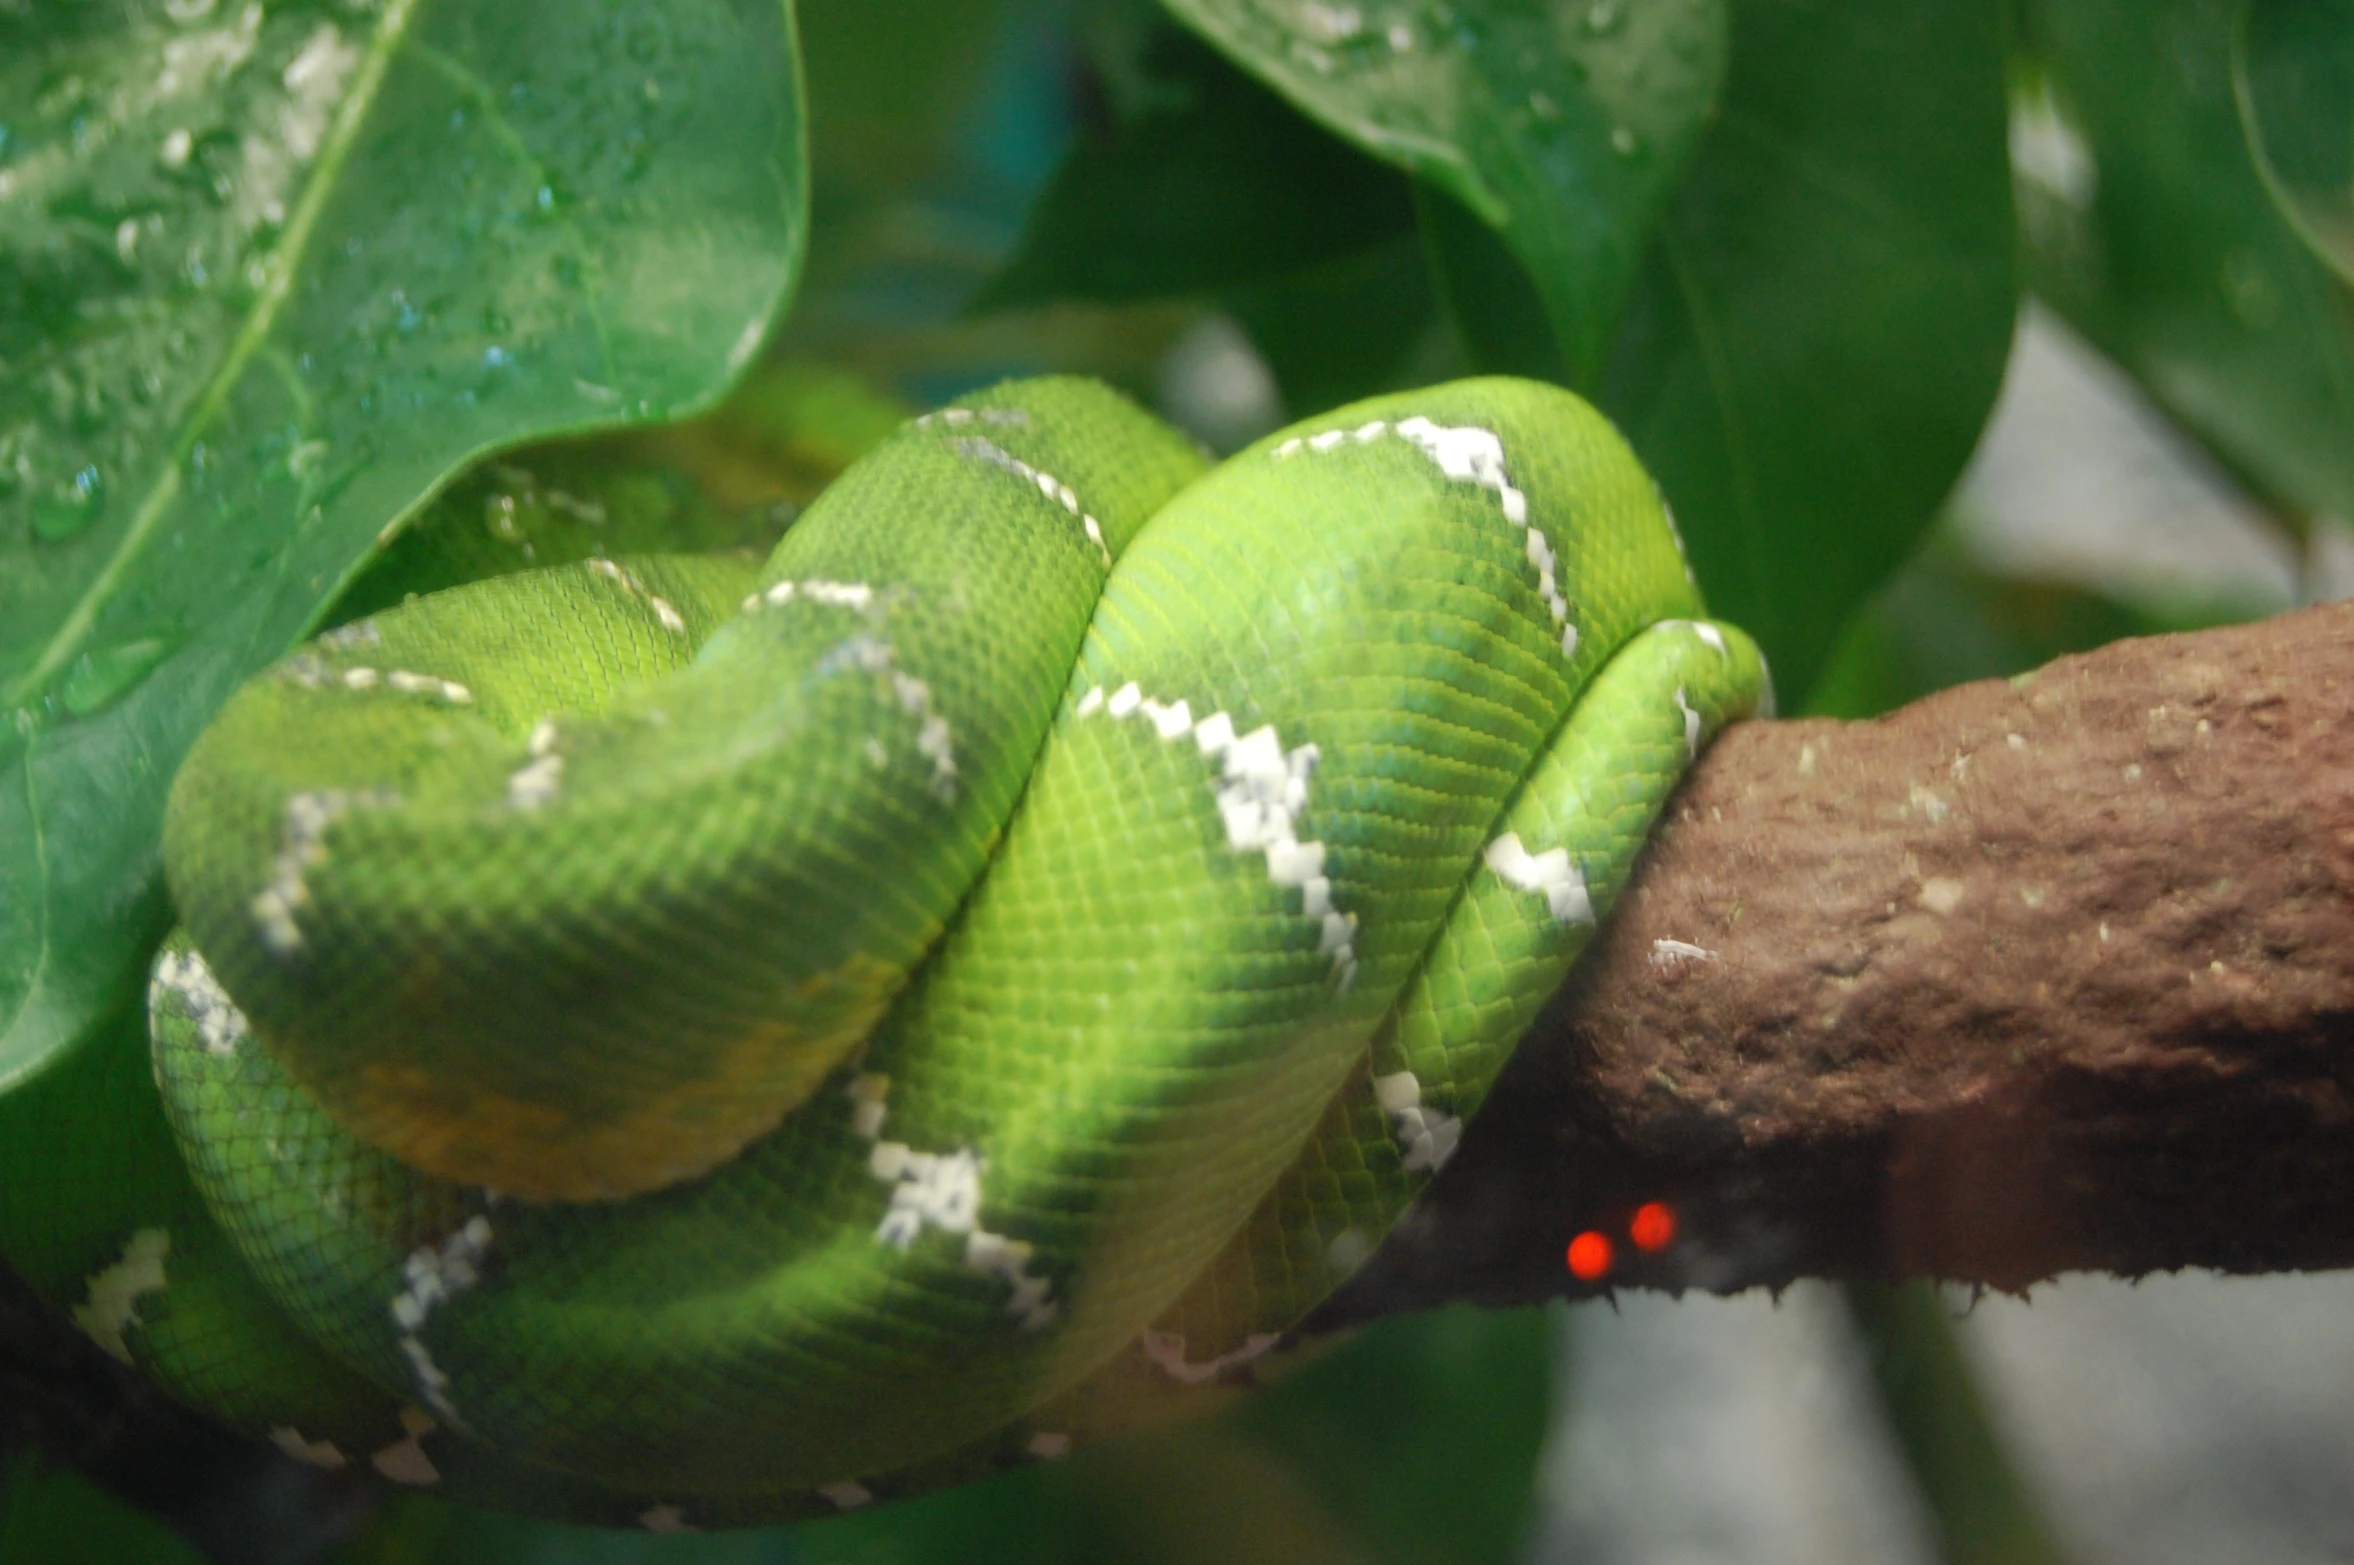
2032, 976
2047, 975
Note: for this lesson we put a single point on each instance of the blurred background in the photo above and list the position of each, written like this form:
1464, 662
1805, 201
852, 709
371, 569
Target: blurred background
2171, 1419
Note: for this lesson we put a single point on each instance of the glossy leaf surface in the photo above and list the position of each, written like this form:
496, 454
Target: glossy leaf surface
1563, 124
267, 278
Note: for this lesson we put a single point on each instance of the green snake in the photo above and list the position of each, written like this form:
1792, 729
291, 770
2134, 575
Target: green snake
687, 1041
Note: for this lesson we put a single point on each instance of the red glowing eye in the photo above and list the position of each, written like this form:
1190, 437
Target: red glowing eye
1653, 1226
1589, 1256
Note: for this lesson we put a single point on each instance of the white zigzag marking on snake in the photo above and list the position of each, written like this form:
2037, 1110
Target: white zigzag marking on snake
111, 1305
1166, 1349
302, 847
943, 1190
1708, 633
664, 611
1425, 1135
1013, 418
533, 785
1552, 874
436, 1274
833, 594
1348, 1250
932, 737
404, 1461
1262, 791
322, 1454
1466, 454
312, 673
220, 1026
1052, 487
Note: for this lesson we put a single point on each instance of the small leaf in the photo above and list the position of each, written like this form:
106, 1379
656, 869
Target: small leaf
266, 278
1563, 124
2293, 76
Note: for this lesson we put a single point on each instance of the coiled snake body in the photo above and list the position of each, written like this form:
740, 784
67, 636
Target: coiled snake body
691, 1042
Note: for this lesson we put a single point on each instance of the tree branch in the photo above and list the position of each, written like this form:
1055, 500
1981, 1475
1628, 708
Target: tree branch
2042, 975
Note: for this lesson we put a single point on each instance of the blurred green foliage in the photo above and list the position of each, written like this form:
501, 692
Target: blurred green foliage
2148, 221
50, 1515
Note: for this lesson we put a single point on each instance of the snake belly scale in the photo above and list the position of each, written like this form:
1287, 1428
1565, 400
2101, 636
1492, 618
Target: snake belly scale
706, 1042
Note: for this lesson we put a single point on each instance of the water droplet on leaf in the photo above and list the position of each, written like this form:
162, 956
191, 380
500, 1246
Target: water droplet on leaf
98, 679
70, 507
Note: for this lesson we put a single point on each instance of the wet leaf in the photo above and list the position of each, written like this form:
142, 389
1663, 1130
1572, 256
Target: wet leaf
266, 278
1563, 124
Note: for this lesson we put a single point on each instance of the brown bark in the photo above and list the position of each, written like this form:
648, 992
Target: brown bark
2041, 975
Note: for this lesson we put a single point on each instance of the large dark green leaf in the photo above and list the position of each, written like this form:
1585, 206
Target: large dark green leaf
53, 1515
1563, 124
267, 278
1823, 324
2149, 225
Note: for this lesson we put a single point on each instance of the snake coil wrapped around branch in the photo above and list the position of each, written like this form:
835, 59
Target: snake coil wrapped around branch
689, 1042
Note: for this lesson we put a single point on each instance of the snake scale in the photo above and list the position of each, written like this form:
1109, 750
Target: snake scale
691, 1041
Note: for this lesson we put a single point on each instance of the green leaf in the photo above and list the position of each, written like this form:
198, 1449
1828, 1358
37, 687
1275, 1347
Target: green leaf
1218, 184
1347, 329
1823, 323
265, 280
2148, 224
2292, 72
1982, 1507
53, 1515
1563, 124
1494, 307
